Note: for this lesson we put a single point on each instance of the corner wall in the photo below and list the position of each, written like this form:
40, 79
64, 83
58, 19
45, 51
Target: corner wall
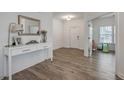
58, 32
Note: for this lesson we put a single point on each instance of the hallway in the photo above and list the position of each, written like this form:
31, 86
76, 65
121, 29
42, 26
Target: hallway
70, 64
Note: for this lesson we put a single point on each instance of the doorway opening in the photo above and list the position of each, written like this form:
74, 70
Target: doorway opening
102, 34
102, 40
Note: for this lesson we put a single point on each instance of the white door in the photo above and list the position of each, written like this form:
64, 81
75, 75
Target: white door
74, 37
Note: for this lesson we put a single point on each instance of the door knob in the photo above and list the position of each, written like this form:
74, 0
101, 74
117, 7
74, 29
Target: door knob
78, 37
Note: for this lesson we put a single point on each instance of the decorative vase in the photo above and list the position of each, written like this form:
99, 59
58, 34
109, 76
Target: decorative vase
44, 34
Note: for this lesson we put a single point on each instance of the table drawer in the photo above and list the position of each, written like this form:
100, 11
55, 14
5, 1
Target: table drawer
22, 51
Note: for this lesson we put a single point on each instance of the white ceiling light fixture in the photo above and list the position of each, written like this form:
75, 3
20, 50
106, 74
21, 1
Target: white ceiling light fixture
68, 17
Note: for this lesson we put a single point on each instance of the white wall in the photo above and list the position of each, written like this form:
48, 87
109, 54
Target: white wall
21, 62
58, 36
120, 46
74, 23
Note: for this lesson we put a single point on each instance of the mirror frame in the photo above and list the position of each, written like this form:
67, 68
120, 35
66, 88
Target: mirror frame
29, 18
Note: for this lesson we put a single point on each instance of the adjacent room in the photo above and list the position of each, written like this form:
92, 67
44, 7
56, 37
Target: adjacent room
104, 33
61, 46
102, 40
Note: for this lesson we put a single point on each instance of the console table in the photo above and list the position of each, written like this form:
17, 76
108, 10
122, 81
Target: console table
9, 52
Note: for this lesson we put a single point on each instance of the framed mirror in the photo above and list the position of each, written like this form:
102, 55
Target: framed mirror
31, 26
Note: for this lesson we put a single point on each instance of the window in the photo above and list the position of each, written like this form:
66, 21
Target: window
106, 34
114, 35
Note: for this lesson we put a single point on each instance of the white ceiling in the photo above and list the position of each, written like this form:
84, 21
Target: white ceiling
77, 15
59, 15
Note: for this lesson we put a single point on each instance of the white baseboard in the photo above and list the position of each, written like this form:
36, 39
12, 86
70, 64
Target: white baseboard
57, 48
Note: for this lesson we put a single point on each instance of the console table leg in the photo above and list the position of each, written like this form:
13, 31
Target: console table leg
10, 67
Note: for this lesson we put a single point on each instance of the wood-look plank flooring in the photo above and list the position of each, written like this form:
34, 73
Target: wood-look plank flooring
70, 64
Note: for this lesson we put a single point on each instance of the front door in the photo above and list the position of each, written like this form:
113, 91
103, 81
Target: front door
74, 37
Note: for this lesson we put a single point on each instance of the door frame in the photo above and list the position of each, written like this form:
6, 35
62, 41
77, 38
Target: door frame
116, 27
90, 38
116, 19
